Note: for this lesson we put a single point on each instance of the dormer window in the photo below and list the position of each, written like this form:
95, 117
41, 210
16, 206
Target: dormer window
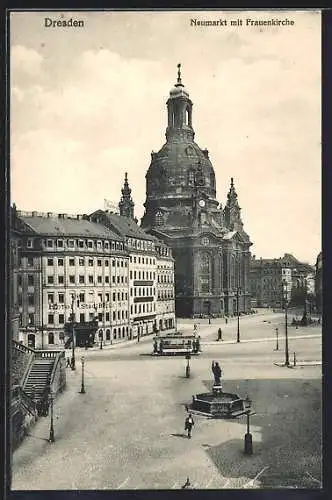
159, 218
90, 244
80, 243
30, 243
59, 243
49, 244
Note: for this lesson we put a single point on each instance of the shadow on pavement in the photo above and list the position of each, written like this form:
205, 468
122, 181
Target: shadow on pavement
286, 430
179, 435
37, 437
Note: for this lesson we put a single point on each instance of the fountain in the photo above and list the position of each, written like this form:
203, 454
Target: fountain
219, 404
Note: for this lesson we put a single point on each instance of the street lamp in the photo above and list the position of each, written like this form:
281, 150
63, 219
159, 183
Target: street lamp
277, 338
238, 314
285, 296
82, 391
248, 437
73, 333
188, 364
51, 437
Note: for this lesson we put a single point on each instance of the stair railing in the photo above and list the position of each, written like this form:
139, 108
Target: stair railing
27, 370
60, 355
28, 403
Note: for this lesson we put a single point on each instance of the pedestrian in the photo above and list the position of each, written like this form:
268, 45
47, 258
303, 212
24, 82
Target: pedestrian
216, 370
219, 334
68, 363
226, 320
188, 425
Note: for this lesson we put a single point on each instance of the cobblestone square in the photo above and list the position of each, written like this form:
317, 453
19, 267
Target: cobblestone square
127, 431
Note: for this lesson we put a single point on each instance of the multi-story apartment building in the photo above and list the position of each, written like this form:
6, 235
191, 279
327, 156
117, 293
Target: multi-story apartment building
100, 272
70, 265
165, 309
142, 270
270, 282
269, 278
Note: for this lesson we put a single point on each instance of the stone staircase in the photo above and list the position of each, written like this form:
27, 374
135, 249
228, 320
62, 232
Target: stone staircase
39, 378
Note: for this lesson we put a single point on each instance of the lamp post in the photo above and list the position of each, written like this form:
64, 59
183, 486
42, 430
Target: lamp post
277, 338
73, 367
248, 437
82, 391
238, 314
51, 437
188, 364
285, 290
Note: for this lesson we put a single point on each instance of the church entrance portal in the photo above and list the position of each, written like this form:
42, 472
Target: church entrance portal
206, 307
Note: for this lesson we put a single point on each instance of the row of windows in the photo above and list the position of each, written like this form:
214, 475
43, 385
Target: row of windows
142, 292
164, 251
142, 308
83, 317
81, 297
142, 275
165, 294
71, 243
165, 278
90, 279
140, 244
81, 261
142, 260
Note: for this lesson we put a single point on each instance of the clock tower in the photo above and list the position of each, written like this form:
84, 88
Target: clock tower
210, 248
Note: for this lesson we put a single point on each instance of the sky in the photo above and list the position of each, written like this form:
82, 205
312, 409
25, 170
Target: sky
89, 104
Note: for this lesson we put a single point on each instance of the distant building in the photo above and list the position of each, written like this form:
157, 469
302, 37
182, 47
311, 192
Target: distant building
268, 279
319, 283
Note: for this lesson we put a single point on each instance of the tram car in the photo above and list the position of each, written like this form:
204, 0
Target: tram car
176, 344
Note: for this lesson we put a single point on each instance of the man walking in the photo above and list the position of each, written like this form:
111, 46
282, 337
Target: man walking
188, 425
219, 334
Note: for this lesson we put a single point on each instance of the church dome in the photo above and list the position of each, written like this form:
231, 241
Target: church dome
176, 167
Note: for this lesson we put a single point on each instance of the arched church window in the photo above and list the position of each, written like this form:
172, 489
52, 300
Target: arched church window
187, 116
191, 178
205, 273
159, 218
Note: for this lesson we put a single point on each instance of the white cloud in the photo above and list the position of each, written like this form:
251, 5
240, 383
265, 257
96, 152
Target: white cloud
24, 60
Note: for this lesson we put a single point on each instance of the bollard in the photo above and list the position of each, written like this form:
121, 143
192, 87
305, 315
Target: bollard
248, 444
294, 359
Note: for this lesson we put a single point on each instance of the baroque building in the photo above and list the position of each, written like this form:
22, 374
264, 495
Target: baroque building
210, 247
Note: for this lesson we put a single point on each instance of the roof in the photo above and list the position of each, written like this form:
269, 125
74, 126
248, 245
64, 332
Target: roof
68, 227
127, 226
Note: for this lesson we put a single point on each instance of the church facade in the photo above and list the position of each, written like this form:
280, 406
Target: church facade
210, 247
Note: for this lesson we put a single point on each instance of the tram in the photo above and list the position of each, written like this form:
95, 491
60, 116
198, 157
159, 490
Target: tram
176, 344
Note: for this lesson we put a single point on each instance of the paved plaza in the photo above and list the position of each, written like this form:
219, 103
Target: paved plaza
127, 431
